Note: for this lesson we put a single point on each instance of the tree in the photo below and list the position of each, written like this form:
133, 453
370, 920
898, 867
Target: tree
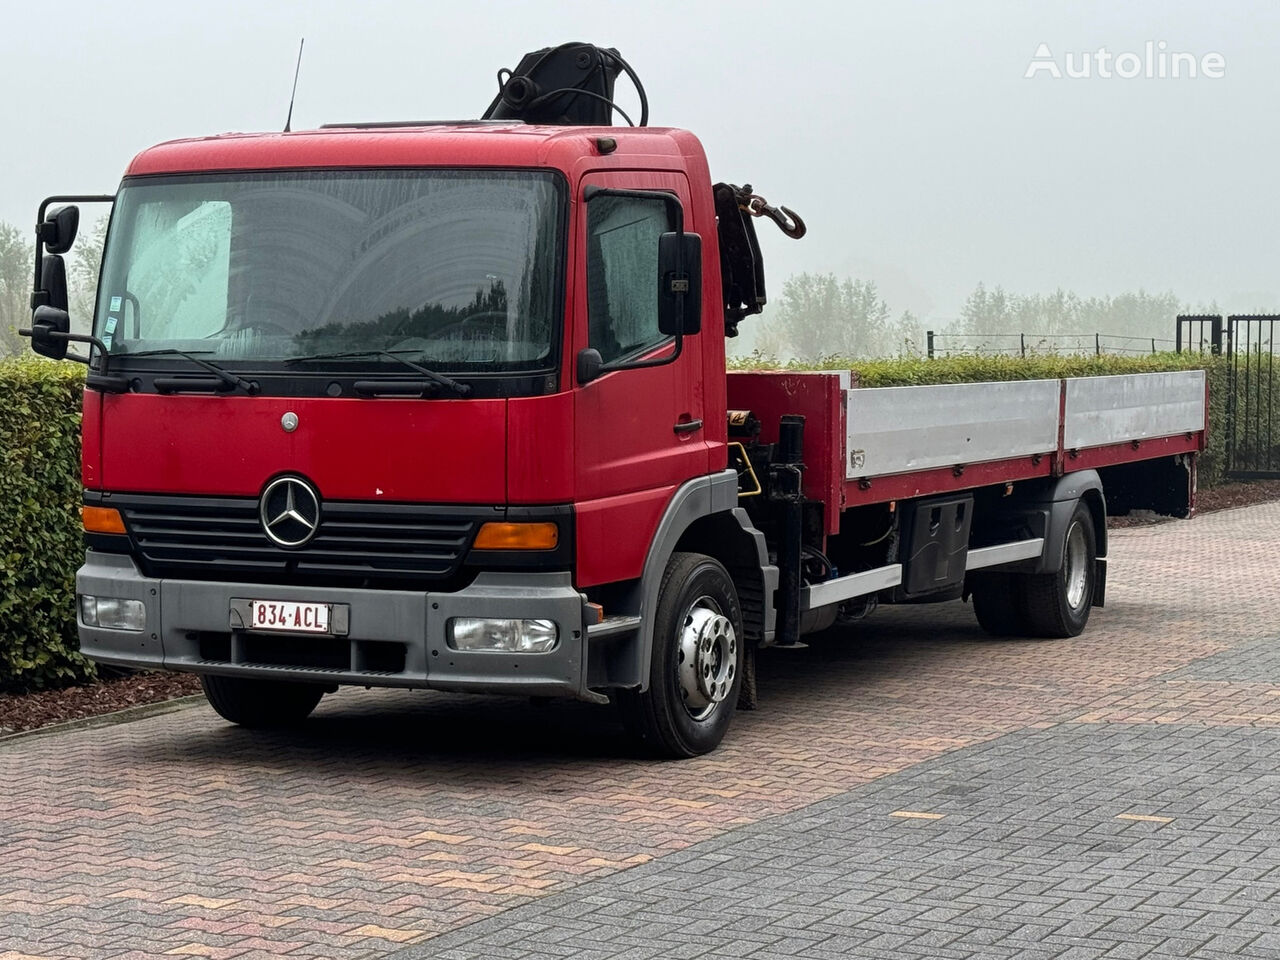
82, 274
992, 319
16, 254
819, 315
1134, 314
986, 313
15, 288
907, 336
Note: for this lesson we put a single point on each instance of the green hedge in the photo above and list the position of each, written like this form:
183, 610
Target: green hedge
972, 368
40, 531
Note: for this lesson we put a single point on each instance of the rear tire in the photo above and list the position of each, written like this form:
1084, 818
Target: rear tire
998, 603
261, 703
696, 667
1057, 605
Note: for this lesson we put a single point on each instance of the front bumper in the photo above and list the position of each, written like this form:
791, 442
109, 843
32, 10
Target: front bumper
396, 638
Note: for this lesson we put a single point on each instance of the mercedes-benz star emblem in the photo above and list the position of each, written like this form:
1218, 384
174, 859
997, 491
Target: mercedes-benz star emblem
289, 512
289, 422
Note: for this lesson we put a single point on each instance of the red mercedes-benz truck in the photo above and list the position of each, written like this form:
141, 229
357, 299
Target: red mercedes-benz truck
445, 406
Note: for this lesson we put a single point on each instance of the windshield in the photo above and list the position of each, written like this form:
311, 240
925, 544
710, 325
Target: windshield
454, 269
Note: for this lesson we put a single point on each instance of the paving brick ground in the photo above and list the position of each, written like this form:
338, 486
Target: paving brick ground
401, 821
1130, 841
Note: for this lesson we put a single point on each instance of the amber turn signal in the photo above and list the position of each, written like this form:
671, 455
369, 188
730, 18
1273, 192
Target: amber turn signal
102, 520
517, 536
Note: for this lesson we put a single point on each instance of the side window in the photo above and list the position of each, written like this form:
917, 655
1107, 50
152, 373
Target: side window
622, 272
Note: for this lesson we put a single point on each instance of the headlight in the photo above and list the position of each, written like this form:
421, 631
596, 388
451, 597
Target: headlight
507, 636
113, 613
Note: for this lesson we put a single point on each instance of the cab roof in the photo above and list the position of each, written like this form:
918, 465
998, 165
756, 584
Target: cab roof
472, 144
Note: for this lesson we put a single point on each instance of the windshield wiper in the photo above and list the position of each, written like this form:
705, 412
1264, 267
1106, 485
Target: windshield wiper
176, 384
461, 389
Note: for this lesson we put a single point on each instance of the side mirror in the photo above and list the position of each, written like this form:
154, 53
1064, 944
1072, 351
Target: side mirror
50, 315
679, 284
46, 322
53, 282
58, 232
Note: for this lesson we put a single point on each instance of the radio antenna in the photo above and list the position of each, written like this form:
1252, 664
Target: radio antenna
292, 96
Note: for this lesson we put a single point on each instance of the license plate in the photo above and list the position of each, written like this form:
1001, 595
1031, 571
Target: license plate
290, 617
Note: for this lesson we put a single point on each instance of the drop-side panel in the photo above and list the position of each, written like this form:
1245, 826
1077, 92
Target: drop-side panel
1105, 410
898, 429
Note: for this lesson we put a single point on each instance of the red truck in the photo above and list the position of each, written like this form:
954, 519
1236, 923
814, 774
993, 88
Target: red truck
444, 405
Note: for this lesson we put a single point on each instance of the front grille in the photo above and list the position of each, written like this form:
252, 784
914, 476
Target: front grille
313, 653
221, 538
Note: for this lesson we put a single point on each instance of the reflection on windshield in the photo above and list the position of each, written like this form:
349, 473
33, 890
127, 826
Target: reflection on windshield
432, 327
460, 267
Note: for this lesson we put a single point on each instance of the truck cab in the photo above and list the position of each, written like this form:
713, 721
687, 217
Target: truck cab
402, 406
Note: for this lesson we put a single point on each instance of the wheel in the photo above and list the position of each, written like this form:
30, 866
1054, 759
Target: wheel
999, 602
1058, 604
696, 668
260, 703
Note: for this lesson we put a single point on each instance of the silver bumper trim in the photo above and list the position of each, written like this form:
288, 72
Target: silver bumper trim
188, 629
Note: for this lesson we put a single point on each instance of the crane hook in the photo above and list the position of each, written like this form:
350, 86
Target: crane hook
788, 220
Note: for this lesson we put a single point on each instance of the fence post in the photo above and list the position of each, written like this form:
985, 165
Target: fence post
1177, 337
1215, 336
1097, 344
928, 336
1022, 337
1153, 344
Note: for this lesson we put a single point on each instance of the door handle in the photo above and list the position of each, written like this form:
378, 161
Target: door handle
687, 426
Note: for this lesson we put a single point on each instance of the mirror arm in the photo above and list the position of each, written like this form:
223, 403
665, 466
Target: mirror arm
71, 338
40, 213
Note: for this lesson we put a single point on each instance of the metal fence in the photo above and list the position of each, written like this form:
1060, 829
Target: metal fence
1248, 342
1022, 344
1252, 397
1202, 333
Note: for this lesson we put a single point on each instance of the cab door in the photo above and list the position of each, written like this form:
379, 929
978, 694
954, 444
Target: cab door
638, 431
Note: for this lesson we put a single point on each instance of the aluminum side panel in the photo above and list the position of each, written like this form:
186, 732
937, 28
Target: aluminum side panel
898, 429
1105, 410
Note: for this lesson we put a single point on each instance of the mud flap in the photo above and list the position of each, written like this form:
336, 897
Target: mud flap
748, 694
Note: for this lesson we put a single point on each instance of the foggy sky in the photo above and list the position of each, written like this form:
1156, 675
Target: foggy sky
904, 132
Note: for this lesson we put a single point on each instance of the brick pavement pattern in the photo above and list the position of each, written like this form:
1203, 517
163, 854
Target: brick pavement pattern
1134, 841
403, 818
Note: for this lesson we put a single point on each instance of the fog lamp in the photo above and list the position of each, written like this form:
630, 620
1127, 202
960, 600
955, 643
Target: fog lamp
506, 636
112, 613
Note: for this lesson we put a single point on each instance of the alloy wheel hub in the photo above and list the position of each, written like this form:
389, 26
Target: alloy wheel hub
707, 658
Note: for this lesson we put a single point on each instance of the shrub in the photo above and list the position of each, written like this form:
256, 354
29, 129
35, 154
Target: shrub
40, 531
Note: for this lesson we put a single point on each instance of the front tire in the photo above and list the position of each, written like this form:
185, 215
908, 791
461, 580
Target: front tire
696, 667
260, 704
